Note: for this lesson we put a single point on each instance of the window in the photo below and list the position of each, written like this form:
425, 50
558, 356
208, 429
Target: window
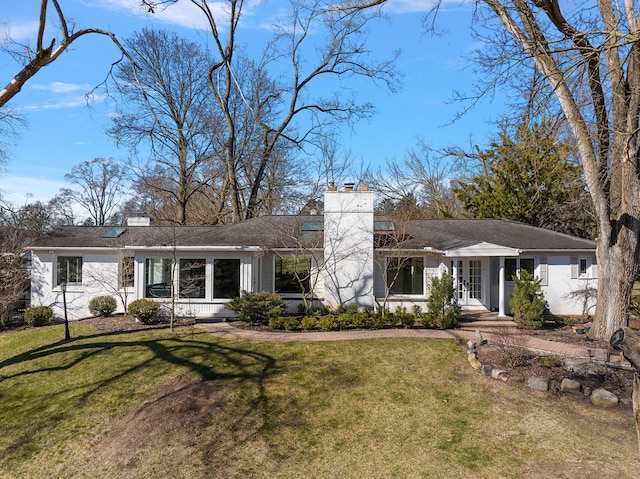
405, 275
292, 274
157, 278
582, 267
192, 278
69, 270
226, 278
527, 265
510, 267
127, 272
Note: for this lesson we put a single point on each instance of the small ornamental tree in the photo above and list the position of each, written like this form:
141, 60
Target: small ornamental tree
442, 306
527, 301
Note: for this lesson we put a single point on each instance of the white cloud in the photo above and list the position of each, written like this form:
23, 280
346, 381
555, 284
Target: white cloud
56, 95
419, 6
183, 13
22, 189
61, 87
20, 32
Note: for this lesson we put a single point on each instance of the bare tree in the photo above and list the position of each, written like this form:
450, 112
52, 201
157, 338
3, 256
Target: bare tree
45, 54
285, 110
18, 227
424, 175
167, 107
591, 61
100, 185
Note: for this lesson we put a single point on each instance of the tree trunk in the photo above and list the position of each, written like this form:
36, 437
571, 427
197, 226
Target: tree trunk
616, 275
628, 341
636, 405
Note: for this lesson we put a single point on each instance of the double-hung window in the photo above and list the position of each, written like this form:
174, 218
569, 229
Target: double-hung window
69, 270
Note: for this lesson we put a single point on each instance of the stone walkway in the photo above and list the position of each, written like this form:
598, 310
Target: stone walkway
538, 345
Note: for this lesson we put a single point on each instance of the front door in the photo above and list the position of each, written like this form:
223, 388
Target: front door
469, 282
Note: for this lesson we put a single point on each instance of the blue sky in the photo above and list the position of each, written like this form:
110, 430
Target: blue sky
62, 130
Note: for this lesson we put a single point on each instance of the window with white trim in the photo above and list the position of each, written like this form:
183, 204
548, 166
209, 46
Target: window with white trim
405, 275
226, 278
158, 278
127, 272
69, 270
292, 274
192, 282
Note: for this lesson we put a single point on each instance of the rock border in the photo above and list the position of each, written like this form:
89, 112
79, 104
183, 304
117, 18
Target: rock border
599, 397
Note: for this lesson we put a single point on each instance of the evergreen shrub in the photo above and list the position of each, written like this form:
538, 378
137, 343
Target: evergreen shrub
144, 310
442, 306
37, 316
258, 308
527, 301
102, 306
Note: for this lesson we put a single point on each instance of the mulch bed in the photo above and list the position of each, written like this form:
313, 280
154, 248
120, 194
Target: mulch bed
129, 323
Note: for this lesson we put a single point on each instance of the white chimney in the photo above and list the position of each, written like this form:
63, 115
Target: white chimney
348, 247
140, 221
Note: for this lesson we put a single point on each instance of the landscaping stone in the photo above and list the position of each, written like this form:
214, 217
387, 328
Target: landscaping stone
486, 369
500, 374
600, 354
570, 386
539, 384
473, 361
602, 398
517, 377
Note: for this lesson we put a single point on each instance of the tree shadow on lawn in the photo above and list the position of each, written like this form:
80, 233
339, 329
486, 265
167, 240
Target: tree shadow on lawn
212, 362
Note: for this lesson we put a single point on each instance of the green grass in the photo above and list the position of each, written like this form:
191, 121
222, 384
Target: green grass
185, 404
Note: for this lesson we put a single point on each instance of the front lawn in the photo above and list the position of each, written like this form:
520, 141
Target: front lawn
182, 404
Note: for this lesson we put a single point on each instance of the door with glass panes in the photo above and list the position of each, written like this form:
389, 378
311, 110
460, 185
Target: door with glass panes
469, 281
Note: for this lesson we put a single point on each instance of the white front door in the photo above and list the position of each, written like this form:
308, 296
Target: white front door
469, 282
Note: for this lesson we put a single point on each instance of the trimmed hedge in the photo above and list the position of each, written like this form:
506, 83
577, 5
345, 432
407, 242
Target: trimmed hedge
37, 316
103, 306
144, 310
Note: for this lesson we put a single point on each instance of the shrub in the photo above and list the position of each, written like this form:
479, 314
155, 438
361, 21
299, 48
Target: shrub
38, 316
360, 320
527, 301
406, 318
144, 310
257, 308
277, 322
289, 323
102, 306
309, 322
378, 321
549, 361
442, 306
327, 322
343, 320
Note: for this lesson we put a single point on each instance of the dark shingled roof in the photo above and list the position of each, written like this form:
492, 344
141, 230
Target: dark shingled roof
457, 233
264, 232
286, 232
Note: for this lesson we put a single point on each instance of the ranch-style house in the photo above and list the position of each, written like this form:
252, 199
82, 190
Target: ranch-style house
347, 255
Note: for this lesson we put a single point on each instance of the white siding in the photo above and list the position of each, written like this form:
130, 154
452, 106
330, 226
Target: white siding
561, 284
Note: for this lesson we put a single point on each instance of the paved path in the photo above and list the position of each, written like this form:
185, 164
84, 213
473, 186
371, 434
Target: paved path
535, 344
